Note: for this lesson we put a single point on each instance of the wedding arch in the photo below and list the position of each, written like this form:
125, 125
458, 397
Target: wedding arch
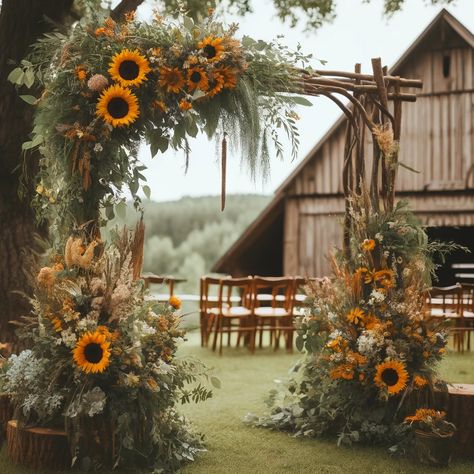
102, 365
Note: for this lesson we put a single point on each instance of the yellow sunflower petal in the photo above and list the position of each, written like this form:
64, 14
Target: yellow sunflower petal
392, 376
92, 353
117, 106
129, 68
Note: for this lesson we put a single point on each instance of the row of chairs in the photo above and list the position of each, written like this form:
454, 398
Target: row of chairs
250, 307
454, 304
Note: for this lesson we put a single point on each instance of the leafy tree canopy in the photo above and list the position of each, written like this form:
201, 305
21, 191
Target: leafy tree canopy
313, 12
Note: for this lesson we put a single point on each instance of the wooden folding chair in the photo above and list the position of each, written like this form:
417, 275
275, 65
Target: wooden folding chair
207, 302
445, 303
273, 301
233, 312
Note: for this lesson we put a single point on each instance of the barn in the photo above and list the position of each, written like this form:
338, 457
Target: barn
295, 232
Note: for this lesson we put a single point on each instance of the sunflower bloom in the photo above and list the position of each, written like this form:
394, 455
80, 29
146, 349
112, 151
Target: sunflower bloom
117, 106
171, 79
230, 77
217, 84
197, 79
212, 48
129, 68
92, 353
385, 278
391, 376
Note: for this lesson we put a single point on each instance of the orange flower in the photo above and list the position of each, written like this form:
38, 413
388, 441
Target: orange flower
355, 316
229, 75
425, 414
104, 32
342, 371
197, 79
185, 105
419, 381
385, 278
217, 84
81, 73
368, 245
175, 302
171, 79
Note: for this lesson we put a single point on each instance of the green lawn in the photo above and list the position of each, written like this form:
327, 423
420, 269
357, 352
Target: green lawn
236, 448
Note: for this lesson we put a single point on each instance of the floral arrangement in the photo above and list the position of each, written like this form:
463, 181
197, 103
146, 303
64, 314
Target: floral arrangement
109, 86
371, 352
102, 360
431, 421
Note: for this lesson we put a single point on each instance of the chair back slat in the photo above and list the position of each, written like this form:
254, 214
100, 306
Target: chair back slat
445, 301
281, 291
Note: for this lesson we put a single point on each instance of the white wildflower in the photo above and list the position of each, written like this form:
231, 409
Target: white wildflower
379, 236
98, 147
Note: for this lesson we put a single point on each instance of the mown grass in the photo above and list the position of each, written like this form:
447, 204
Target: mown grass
234, 447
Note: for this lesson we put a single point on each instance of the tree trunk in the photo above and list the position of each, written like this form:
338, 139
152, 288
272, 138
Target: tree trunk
21, 23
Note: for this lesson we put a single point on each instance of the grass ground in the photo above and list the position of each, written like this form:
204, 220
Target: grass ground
236, 448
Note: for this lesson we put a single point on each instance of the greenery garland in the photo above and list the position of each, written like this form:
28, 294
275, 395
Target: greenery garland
108, 86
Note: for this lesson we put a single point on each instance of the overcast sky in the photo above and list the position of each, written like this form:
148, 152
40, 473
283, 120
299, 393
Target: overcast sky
358, 33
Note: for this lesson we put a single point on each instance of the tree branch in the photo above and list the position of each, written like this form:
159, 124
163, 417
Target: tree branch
123, 7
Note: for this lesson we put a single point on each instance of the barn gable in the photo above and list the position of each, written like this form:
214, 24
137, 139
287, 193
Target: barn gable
437, 139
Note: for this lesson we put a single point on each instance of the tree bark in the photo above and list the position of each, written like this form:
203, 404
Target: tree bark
22, 22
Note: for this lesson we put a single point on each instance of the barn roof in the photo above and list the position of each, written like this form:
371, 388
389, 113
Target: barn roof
272, 211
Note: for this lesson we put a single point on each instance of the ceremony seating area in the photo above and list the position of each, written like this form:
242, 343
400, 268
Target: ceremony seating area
252, 307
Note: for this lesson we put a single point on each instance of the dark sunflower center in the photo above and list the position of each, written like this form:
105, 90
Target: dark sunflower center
93, 352
209, 51
129, 70
117, 107
390, 377
195, 77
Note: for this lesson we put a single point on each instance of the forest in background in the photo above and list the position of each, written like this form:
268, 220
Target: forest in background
185, 238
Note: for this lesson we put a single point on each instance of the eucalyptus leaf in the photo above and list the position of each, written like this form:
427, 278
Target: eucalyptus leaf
29, 99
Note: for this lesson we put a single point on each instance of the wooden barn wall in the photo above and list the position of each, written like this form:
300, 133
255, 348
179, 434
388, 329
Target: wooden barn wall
437, 132
437, 140
313, 226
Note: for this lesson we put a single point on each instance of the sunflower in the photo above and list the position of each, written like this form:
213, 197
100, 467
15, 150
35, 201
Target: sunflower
118, 106
211, 48
230, 77
171, 79
355, 316
92, 353
392, 376
129, 68
197, 79
217, 84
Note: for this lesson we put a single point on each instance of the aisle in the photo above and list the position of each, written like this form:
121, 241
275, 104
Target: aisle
236, 448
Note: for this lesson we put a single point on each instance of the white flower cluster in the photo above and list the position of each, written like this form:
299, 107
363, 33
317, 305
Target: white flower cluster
369, 342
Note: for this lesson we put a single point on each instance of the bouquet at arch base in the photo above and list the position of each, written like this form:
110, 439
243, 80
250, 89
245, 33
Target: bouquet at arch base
370, 348
102, 363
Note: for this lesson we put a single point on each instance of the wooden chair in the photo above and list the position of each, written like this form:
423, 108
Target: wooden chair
445, 303
207, 302
467, 310
273, 302
162, 280
233, 312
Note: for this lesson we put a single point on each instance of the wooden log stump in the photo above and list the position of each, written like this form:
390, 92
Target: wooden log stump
6, 414
38, 448
458, 403
460, 411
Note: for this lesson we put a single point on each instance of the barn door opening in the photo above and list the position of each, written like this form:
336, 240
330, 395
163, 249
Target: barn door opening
463, 235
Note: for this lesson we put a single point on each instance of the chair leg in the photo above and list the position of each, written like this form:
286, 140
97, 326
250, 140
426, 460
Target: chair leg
216, 332
221, 338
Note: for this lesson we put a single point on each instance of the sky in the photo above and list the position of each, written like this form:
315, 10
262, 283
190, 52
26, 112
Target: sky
358, 33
